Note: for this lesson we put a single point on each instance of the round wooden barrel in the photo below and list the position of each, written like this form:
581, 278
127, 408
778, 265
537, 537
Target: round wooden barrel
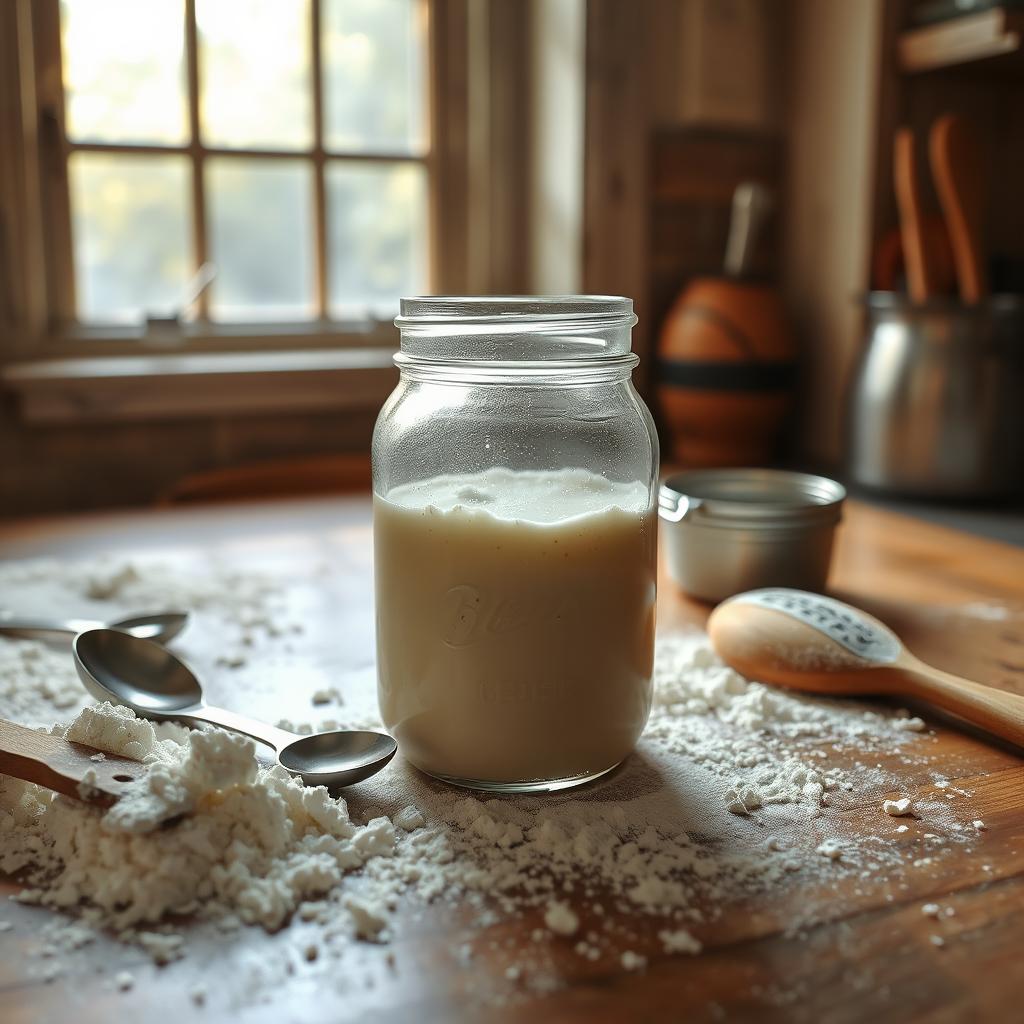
726, 367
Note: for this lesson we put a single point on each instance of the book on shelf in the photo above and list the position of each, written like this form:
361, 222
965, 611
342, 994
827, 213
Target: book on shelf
959, 40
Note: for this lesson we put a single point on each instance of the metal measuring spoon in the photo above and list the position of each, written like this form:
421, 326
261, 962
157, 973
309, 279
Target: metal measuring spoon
159, 626
155, 683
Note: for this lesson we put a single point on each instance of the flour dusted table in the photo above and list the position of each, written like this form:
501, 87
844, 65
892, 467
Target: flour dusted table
859, 952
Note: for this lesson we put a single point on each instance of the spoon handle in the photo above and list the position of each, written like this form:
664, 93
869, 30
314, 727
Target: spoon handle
269, 734
61, 765
997, 711
45, 628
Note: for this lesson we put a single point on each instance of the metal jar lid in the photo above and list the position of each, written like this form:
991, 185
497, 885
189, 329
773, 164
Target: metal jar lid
766, 498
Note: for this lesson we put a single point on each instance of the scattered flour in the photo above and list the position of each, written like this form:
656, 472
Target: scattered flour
633, 961
981, 610
327, 695
679, 941
901, 808
560, 918
37, 683
247, 606
253, 844
728, 796
129, 587
409, 819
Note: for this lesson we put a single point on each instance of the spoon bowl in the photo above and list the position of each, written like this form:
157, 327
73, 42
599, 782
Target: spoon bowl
809, 642
138, 673
337, 758
156, 683
159, 626
804, 641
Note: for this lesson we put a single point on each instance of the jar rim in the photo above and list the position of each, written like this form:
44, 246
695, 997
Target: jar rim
592, 311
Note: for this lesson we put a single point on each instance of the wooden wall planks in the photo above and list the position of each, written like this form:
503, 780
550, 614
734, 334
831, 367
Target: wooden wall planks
616, 145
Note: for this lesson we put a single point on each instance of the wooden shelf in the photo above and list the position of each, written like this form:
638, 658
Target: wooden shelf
988, 35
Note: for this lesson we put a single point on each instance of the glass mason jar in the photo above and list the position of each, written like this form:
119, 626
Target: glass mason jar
515, 536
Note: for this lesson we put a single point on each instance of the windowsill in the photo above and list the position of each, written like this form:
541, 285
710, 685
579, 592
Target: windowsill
147, 387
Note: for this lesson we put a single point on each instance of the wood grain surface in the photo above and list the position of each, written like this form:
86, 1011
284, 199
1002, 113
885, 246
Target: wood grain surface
855, 951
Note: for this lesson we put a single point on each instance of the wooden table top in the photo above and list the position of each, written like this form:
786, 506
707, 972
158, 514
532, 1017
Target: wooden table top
958, 602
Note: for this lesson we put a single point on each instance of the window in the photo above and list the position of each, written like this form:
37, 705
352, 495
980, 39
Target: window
303, 152
235, 162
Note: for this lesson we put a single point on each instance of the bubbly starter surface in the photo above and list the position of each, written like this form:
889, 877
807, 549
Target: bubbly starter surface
515, 622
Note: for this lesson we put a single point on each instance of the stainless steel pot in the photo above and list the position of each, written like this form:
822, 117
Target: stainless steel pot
936, 403
730, 530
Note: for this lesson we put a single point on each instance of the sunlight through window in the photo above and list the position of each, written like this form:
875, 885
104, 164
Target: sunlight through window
286, 144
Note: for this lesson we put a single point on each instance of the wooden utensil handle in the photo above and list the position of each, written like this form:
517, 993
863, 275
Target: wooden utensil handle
957, 170
997, 711
60, 765
916, 257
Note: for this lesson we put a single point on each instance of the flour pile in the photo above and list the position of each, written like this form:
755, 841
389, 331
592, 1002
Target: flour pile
727, 795
252, 842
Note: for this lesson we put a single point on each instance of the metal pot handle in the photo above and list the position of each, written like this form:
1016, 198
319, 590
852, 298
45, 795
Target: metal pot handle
674, 508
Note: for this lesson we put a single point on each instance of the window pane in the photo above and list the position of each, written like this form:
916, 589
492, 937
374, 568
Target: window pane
374, 81
124, 70
132, 235
377, 230
254, 67
260, 225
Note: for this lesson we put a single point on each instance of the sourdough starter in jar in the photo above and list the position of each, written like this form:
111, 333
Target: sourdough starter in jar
515, 622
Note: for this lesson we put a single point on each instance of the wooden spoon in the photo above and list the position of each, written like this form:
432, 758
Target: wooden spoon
917, 259
959, 180
809, 642
62, 765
